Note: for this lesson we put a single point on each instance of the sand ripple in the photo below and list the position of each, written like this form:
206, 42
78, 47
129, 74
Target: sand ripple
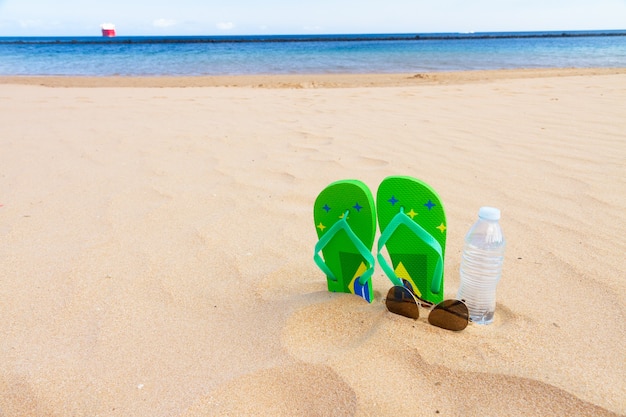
296, 390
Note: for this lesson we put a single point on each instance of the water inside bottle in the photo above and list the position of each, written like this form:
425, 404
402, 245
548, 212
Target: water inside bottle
480, 273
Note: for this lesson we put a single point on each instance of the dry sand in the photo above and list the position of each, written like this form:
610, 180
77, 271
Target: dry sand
156, 244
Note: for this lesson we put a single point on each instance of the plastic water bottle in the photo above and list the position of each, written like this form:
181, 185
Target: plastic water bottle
481, 265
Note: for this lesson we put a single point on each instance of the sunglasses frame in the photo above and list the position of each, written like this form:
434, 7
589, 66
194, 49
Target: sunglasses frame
449, 314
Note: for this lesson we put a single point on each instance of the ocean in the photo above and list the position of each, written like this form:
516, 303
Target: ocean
302, 54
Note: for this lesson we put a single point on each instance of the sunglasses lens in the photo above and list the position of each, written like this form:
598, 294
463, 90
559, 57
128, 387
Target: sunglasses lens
401, 301
450, 315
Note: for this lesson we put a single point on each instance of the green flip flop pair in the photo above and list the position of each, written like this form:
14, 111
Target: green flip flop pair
412, 223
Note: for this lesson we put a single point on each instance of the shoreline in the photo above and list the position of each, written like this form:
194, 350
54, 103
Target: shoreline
307, 80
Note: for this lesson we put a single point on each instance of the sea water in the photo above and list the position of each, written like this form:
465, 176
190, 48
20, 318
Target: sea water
302, 54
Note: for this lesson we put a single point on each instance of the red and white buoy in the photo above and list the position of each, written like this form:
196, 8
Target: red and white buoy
108, 30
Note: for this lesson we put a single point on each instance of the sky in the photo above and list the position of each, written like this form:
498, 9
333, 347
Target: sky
252, 17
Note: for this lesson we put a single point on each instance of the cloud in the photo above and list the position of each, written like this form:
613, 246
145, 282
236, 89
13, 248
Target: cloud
225, 25
164, 23
26, 24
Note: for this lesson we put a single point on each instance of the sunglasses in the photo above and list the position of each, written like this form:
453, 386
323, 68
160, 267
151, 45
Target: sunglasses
448, 314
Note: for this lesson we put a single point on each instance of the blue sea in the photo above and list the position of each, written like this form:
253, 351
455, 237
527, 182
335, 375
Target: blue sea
302, 54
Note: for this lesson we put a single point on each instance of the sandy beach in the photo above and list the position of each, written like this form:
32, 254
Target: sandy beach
157, 239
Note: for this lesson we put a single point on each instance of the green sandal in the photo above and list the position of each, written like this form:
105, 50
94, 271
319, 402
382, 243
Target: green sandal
413, 228
345, 221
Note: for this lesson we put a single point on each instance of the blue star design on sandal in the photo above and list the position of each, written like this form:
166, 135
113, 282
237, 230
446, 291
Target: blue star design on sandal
326, 208
393, 200
357, 207
430, 205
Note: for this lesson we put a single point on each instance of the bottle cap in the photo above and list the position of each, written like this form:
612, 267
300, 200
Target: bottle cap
489, 213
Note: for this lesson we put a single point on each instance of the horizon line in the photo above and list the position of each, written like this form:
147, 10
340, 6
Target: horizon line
303, 37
